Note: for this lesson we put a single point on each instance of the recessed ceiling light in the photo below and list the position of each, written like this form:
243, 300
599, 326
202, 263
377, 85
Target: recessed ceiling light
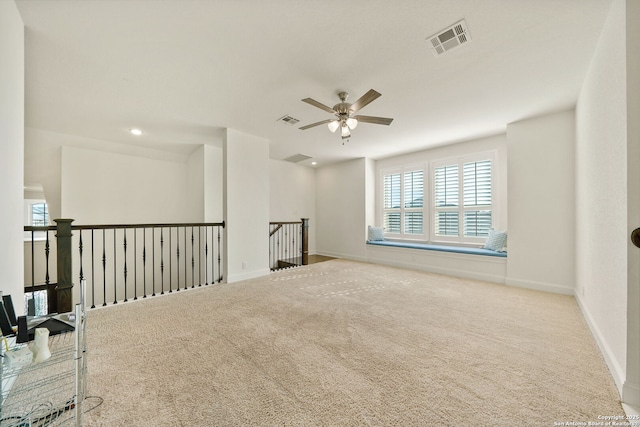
314, 163
136, 132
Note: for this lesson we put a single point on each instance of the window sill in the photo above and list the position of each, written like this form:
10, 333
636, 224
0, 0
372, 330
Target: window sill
441, 248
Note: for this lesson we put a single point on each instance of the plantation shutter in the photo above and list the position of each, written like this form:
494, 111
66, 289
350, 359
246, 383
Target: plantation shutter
446, 186
477, 198
447, 198
477, 183
392, 195
413, 202
403, 201
392, 191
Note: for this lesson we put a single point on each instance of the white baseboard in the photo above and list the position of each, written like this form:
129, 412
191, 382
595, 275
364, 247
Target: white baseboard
342, 255
616, 370
631, 395
232, 278
540, 286
634, 414
430, 268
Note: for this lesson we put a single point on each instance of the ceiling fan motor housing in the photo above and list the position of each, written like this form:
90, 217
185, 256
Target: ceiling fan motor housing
343, 108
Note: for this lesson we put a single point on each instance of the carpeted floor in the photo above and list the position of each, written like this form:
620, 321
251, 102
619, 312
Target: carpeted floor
343, 343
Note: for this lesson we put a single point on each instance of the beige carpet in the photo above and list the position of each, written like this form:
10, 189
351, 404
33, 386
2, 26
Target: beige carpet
342, 343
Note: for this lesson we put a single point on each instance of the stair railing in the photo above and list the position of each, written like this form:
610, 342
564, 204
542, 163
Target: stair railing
288, 244
125, 262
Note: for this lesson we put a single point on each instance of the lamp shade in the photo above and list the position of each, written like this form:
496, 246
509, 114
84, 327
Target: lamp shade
352, 123
333, 126
345, 131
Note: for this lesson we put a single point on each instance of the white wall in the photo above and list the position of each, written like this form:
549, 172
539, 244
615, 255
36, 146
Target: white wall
341, 209
204, 184
213, 183
43, 160
246, 205
607, 187
11, 152
541, 203
292, 195
631, 387
370, 192
110, 188
195, 186
601, 193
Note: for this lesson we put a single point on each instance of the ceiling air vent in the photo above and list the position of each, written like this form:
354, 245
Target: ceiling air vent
288, 120
449, 38
297, 158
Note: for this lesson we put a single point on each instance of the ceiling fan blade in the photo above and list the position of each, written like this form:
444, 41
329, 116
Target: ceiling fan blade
372, 119
318, 104
316, 124
364, 100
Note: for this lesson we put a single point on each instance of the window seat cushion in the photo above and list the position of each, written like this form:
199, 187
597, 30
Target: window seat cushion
441, 248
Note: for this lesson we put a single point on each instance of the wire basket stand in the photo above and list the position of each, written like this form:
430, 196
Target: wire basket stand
50, 393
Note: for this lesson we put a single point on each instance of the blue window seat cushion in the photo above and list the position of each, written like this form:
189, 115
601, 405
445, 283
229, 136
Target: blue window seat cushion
441, 248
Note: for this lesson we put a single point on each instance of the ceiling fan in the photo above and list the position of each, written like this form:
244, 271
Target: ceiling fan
344, 112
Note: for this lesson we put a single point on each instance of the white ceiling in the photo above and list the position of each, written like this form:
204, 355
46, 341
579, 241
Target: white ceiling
184, 70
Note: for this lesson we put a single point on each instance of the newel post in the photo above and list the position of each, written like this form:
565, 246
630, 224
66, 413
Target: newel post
65, 287
305, 241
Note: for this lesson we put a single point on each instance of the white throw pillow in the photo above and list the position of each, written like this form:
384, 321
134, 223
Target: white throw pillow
496, 240
376, 233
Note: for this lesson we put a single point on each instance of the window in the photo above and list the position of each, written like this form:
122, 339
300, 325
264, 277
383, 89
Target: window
403, 202
39, 215
36, 214
451, 201
463, 198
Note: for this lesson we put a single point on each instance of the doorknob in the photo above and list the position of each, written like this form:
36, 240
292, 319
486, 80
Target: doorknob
635, 237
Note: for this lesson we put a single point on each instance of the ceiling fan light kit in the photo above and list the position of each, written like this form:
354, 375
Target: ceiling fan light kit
344, 112
346, 133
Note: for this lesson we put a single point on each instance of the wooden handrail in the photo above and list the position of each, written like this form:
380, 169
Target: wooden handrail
45, 228
129, 226
275, 230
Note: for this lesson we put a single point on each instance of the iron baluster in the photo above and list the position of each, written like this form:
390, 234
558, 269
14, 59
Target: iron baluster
162, 260
153, 260
219, 270
125, 264
80, 250
193, 263
93, 276
206, 255
47, 249
33, 269
115, 269
135, 264
104, 268
178, 254
144, 263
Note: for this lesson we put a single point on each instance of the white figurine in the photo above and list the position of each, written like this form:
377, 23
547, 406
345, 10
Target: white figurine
41, 345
